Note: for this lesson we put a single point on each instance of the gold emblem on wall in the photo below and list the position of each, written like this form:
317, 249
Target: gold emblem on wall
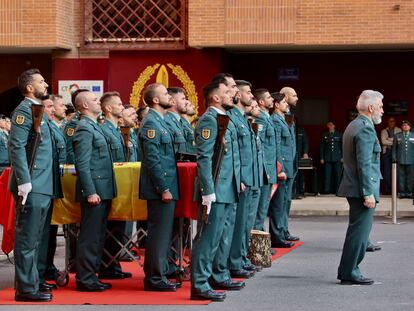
162, 76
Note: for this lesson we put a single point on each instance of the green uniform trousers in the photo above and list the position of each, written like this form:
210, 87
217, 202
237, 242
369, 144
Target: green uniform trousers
27, 238
160, 226
405, 179
279, 210
91, 240
263, 207
238, 244
251, 216
332, 176
205, 246
356, 240
42, 262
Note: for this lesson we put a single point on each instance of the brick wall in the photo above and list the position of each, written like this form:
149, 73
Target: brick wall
300, 23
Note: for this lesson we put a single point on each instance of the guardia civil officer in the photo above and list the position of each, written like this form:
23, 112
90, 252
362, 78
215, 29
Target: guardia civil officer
112, 108
35, 189
249, 186
360, 184
403, 154
159, 186
331, 157
95, 189
4, 152
55, 112
188, 129
172, 118
221, 196
286, 150
267, 134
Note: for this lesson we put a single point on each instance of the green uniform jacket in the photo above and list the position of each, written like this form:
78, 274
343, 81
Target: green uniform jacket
189, 136
361, 161
303, 142
249, 173
21, 133
93, 162
176, 129
228, 183
267, 134
4, 152
159, 167
403, 148
331, 147
59, 157
69, 132
115, 141
285, 145
133, 147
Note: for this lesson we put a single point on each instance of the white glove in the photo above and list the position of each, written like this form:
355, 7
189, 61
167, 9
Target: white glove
24, 190
207, 200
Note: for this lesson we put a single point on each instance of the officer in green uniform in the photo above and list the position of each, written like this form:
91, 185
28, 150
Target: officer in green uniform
159, 186
4, 153
286, 150
360, 184
95, 189
129, 119
35, 189
55, 112
220, 197
331, 157
188, 128
267, 134
249, 175
172, 118
403, 154
112, 108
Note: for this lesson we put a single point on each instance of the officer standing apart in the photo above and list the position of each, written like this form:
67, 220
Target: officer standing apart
159, 186
267, 133
35, 189
112, 108
360, 184
403, 154
221, 196
95, 189
331, 157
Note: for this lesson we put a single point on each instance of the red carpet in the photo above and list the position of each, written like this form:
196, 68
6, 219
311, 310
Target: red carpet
123, 292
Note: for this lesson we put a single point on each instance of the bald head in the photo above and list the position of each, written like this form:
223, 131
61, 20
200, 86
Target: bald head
88, 104
292, 97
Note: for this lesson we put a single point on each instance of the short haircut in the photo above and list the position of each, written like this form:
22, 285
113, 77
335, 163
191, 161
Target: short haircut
222, 78
278, 97
25, 78
55, 97
140, 112
127, 106
259, 93
241, 83
106, 98
209, 90
75, 93
150, 92
175, 90
368, 97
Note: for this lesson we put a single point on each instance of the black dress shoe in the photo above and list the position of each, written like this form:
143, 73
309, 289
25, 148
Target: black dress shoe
359, 281
283, 244
160, 287
50, 285
241, 274
115, 275
228, 285
33, 297
373, 248
207, 295
292, 238
43, 288
96, 287
105, 285
273, 251
252, 267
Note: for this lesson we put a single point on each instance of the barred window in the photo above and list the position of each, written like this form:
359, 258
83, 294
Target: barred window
135, 24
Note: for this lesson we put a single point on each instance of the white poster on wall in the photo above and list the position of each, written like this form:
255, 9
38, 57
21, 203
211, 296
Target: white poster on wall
67, 87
